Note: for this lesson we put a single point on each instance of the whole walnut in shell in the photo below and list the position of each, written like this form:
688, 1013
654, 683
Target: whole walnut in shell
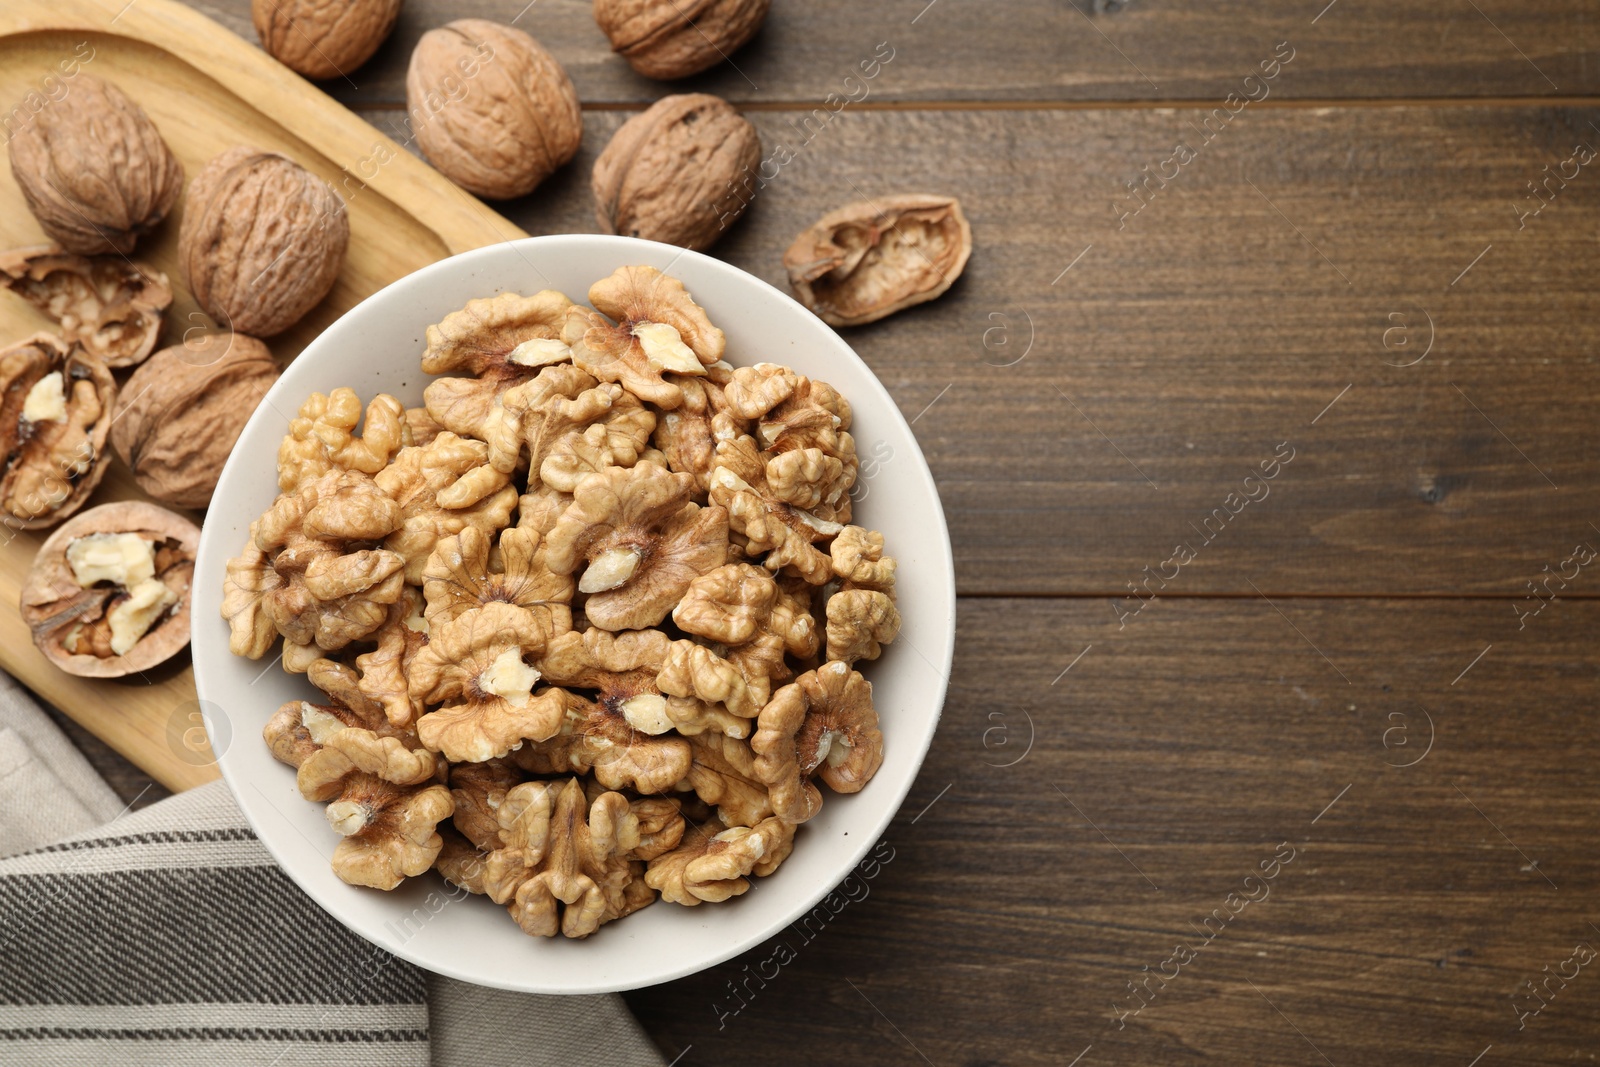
108, 304
871, 259
323, 38
94, 169
667, 172
676, 38
262, 240
491, 109
55, 412
181, 412
108, 593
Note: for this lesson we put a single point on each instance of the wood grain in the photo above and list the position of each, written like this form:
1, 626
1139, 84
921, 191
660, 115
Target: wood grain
1016, 908
1103, 779
1049, 50
206, 90
1182, 350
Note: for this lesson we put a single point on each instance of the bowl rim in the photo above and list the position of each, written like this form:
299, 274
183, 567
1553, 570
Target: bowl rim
208, 585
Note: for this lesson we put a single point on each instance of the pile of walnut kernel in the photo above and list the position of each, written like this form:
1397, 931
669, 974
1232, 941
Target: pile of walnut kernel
628, 677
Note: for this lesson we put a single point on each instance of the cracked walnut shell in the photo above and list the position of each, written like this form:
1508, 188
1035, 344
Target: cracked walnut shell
108, 304
108, 592
873, 258
262, 240
94, 169
670, 39
182, 411
493, 111
55, 412
323, 38
669, 172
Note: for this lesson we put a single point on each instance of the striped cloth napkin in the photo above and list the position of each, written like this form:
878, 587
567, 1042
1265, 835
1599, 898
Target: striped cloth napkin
167, 936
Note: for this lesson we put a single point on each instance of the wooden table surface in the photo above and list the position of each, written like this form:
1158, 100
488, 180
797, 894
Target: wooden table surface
1300, 779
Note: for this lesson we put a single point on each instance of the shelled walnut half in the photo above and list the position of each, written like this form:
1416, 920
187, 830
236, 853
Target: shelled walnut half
108, 594
108, 304
55, 413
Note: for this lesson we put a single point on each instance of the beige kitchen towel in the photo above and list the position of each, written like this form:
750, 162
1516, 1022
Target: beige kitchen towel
47, 789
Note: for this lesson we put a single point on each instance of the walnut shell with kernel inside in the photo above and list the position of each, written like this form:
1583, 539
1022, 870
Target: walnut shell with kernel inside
94, 169
670, 39
262, 240
181, 412
55, 412
491, 109
323, 38
116, 573
680, 172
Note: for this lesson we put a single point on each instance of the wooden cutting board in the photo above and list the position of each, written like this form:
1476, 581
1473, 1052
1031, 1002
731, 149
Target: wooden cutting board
207, 90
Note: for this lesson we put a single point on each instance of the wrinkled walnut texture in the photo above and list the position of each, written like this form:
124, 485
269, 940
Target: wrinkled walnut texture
496, 113
323, 38
180, 414
509, 702
94, 169
670, 39
262, 240
682, 171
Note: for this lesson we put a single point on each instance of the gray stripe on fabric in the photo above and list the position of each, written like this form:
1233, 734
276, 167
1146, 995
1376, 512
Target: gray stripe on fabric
276, 1052
184, 935
143, 852
212, 1016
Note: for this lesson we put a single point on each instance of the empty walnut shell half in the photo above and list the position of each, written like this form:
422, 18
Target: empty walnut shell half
180, 414
94, 169
55, 412
108, 594
323, 38
676, 38
871, 259
674, 172
108, 304
262, 240
492, 110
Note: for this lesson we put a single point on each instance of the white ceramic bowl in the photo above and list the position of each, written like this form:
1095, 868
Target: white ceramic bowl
376, 347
